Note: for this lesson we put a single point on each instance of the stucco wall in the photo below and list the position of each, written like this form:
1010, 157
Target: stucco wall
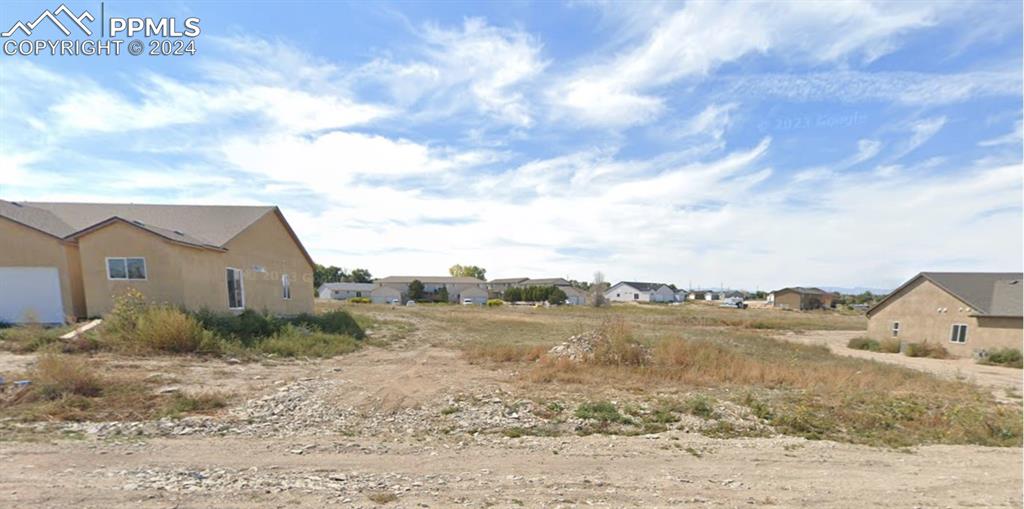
787, 300
267, 244
928, 313
163, 283
197, 278
25, 247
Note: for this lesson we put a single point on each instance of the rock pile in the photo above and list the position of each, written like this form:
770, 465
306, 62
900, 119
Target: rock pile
578, 348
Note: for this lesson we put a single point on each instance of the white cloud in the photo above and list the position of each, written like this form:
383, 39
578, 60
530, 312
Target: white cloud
920, 132
909, 88
1014, 137
485, 64
702, 36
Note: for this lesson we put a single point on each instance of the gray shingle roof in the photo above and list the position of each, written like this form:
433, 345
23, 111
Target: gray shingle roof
803, 290
508, 280
430, 279
209, 224
988, 293
355, 287
550, 281
643, 287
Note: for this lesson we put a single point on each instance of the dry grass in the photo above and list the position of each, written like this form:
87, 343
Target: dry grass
800, 389
73, 388
926, 349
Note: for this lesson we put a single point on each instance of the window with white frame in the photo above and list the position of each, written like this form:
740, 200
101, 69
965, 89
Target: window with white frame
126, 268
958, 334
286, 287
236, 292
895, 329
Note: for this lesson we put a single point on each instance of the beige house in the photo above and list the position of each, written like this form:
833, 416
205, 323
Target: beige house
966, 312
64, 261
798, 297
432, 285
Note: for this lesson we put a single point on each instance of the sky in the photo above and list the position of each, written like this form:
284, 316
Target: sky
745, 144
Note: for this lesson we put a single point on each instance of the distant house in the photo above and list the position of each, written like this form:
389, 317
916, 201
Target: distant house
574, 295
633, 291
432, 285
345, 291
499, 286
697, 295
473, 294
966, 312
70, 260
386, 295
798, 297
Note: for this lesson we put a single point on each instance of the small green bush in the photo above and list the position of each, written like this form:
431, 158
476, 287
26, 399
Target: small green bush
701, 406
494, 302
331, 322
862, 343
298, 341
359, 300
1009, 357
603, 411
889, 346
926, 349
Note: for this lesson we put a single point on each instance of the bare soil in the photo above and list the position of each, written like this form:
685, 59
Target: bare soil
1000, 379
394, 425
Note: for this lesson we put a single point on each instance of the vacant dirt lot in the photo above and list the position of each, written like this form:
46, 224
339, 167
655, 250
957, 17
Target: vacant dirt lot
409, 422
999, 378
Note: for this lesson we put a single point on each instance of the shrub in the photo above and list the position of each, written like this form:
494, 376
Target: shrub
28, 338
248, 327
181, 403
56, 376
124, 317
620, 347
701, 406
1009, 357
494, 302
861, 343
602, 411
331, 322
167, 329
359, 300
298, 341
889, 346
926, 349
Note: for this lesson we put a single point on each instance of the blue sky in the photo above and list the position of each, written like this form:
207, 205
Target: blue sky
752, 144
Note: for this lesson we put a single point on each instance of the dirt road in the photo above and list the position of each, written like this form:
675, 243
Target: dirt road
999, 378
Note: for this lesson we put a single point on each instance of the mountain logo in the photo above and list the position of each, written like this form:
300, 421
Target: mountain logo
27, 28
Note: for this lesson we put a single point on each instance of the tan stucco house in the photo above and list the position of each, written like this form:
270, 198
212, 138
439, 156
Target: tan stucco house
69, 260
799, 297
966, 312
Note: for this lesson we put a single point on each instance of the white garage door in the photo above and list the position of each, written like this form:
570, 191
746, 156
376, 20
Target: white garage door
30, 292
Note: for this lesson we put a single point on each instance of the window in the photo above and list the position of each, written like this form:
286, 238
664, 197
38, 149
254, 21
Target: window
895, 329
236, 293
958, 334
636, 296
359, 294
286, 287
126, 268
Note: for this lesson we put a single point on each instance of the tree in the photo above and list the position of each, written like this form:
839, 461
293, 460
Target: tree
557, 296
597, 290
416, 290
467, 271
331, 274
513, 294
442, 294
360, 276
